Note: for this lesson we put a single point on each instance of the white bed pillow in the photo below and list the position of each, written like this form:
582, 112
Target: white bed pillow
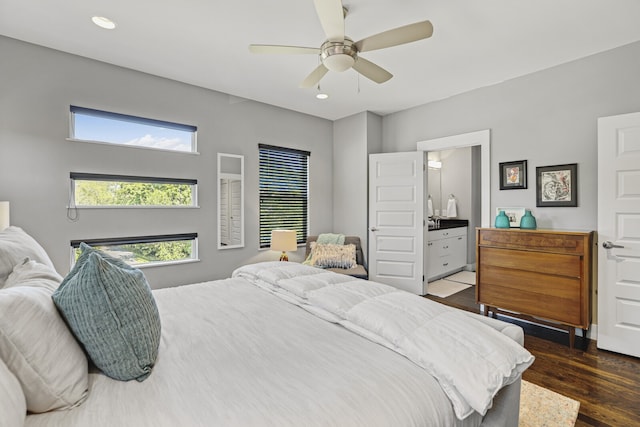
36, 344
13, 408
15, 246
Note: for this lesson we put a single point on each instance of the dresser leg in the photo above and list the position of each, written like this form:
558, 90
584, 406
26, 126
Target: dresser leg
572, 336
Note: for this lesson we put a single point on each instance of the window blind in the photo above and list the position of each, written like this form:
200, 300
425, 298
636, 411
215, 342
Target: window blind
135, 240
284, 192
80, 176
133, 119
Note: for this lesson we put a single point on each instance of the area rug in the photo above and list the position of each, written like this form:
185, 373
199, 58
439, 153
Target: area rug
541, 407
445, 288
468, 277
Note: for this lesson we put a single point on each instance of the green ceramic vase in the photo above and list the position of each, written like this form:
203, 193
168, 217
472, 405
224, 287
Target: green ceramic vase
528, 221
502, 220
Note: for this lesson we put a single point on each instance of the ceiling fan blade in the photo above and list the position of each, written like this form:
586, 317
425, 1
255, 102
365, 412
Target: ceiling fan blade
266, 48
314, 78
401, 35
331, 17
371, 71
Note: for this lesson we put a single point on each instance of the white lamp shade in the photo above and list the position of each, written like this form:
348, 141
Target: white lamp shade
283, 240
4, 215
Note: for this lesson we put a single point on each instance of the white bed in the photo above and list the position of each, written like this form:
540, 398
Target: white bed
233, 353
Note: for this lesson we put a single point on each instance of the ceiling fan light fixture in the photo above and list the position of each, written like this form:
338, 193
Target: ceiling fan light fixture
338, 62
322, 96
339, 56
103, 22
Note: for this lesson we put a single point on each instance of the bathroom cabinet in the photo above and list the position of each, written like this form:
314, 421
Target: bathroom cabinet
446, 251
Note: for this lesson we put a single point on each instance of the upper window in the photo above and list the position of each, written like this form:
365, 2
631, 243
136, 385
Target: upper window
121, 129
91, 189
284, 192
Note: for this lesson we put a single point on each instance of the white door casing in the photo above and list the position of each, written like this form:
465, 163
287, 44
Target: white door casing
480, 138
619, 234
396, 220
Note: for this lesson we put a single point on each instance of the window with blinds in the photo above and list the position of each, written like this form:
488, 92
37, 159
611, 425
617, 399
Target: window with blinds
284, 192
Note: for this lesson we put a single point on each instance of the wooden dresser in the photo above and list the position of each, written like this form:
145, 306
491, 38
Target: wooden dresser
544, 276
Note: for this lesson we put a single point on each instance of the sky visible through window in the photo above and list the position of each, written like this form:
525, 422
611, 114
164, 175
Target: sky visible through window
103, 129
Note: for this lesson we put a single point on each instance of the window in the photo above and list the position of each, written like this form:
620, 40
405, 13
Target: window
284, 191
90, 189
144, 251
121, 129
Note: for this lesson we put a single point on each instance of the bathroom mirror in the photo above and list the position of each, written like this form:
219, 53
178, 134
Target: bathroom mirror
434, 184
230, 201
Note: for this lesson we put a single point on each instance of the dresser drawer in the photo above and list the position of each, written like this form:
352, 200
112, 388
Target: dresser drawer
560, 306
533, 240
556, 264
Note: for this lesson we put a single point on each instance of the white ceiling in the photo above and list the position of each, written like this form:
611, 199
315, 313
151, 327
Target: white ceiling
475, 43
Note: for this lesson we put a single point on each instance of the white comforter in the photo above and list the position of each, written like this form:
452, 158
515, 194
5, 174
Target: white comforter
232, 354
470, 360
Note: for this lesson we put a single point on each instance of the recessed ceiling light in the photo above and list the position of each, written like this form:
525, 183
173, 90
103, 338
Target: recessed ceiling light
103, 22
322, 96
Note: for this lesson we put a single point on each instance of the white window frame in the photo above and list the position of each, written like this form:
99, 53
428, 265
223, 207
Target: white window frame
73, 110
80, 176
74, 244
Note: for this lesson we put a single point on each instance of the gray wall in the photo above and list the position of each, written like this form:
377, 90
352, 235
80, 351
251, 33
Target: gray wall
37, 85
354, 138
548, 118
457, 179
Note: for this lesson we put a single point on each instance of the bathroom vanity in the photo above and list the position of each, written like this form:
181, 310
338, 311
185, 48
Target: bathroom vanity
446, 247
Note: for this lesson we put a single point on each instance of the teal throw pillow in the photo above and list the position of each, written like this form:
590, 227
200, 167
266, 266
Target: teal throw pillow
110, 309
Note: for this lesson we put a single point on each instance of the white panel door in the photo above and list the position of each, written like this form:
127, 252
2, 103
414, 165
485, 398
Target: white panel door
396, 220
619, 234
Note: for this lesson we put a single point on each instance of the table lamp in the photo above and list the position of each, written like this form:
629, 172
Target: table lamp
4, 215
283, 240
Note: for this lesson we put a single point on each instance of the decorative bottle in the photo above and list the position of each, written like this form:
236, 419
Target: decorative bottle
528, 221
502, 220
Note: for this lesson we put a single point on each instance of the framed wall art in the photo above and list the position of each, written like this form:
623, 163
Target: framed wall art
557, 186
513, 175
514, 215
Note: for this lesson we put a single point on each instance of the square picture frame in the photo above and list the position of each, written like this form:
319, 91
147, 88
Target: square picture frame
513, 175
514, 215
557, 186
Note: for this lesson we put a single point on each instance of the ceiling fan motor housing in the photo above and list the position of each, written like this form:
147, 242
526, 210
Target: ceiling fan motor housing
339, 56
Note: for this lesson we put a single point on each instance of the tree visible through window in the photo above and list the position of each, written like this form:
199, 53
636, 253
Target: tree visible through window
118, 190
146, 250
284, 191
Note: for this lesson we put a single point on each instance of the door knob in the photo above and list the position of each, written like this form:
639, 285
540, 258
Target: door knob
609, 245
373, 229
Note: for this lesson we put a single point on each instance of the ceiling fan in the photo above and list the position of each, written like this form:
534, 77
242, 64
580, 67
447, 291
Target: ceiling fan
340, 53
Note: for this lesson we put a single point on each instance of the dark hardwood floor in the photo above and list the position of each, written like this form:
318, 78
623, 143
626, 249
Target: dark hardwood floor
606, 384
